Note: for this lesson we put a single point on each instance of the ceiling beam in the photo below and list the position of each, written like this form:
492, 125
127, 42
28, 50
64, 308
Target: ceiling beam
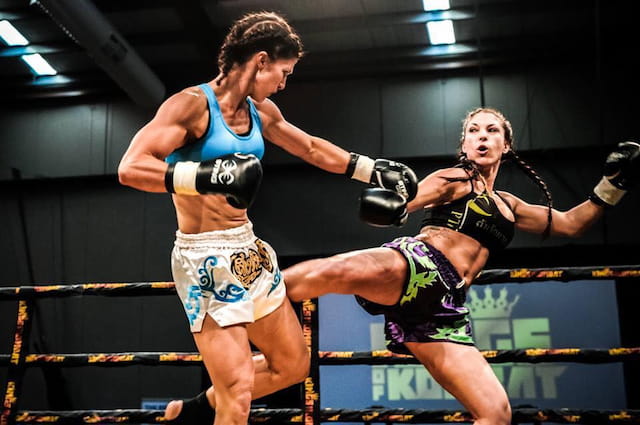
88, 27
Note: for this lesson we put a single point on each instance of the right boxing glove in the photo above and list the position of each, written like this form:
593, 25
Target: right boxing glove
236, 175
385, 174
621, 173
383, 207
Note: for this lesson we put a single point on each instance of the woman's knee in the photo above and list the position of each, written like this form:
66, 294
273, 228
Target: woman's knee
316, 277
235, 398
301, 368
294, 371
498, 414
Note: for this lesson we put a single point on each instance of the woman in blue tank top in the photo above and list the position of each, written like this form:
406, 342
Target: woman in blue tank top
204, 146
419, 283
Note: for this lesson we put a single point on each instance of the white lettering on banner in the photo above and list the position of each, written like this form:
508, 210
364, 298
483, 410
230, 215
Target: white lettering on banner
493, 329
426, 387
413, 382
399, 379
521, 383
548, 375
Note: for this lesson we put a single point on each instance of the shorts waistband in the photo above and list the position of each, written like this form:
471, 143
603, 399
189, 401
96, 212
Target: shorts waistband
235, 237
447, 272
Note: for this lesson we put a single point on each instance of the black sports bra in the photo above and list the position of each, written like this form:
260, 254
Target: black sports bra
475, 215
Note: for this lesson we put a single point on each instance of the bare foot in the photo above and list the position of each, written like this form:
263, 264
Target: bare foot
173, 409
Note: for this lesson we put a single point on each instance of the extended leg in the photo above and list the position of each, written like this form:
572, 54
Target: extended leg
376, 274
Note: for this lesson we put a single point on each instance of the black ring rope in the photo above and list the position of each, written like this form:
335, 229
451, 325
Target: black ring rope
561, 274
531, 355
116, 289
281, 416
311, 413
330, 358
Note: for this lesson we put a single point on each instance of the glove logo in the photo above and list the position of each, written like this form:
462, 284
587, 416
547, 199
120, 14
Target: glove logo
222, 172
401, 188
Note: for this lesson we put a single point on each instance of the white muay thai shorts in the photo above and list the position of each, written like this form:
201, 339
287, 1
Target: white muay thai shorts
229, 274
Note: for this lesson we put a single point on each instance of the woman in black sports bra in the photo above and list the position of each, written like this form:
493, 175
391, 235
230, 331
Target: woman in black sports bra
419, 282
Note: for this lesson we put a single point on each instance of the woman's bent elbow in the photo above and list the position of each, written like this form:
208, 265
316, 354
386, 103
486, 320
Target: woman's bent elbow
126, 175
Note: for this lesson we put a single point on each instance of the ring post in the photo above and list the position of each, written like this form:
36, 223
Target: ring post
311, 408
15, 371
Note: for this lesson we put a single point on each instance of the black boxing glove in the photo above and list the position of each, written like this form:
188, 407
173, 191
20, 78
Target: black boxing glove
621, 172
383, 207
385, 174
236, 175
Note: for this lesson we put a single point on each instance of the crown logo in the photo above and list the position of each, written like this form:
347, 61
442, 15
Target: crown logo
490, 307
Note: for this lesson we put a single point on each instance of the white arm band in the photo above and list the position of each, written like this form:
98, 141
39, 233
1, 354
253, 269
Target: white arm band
364, 169
184, 177
607, 192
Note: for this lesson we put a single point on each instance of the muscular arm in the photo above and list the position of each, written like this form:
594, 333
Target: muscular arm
573, 223
314, 150
435, 189
142, 166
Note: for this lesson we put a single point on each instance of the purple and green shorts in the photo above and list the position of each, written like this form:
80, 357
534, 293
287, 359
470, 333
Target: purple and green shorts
431, 308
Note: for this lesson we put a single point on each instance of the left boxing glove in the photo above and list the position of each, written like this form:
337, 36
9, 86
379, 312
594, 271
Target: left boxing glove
384, 173
383, 207
236, 175
621, 173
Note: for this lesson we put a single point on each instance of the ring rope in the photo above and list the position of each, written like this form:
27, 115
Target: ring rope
260, 416
522, 275
562, 274
55, 290
529, 355
311, 413
328, 358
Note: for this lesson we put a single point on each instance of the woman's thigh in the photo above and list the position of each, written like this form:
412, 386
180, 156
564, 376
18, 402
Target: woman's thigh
377, 274
465, 373
226, 353
279, 337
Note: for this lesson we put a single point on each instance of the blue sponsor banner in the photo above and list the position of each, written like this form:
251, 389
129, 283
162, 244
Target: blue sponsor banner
153, 404
581, 314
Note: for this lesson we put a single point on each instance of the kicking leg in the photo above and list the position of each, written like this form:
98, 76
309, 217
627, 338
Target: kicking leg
376, 274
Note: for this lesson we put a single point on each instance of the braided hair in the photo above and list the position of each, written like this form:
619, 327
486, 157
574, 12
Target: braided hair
254, 32
474, 173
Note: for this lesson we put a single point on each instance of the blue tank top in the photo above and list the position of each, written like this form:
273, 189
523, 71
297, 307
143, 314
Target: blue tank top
219, 139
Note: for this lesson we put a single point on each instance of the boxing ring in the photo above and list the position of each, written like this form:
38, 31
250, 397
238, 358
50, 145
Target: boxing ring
308, 412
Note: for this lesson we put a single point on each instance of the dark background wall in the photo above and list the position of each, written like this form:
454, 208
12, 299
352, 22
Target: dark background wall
69, 221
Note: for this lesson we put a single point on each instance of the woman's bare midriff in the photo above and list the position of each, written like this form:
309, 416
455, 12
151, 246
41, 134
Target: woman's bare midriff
466, 254
205, 213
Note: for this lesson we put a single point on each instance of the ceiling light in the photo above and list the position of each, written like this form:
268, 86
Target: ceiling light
441, 32
11, 35
39, 65
429, 5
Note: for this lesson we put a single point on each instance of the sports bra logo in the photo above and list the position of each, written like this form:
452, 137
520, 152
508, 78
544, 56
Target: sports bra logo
222, 172
475, 206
